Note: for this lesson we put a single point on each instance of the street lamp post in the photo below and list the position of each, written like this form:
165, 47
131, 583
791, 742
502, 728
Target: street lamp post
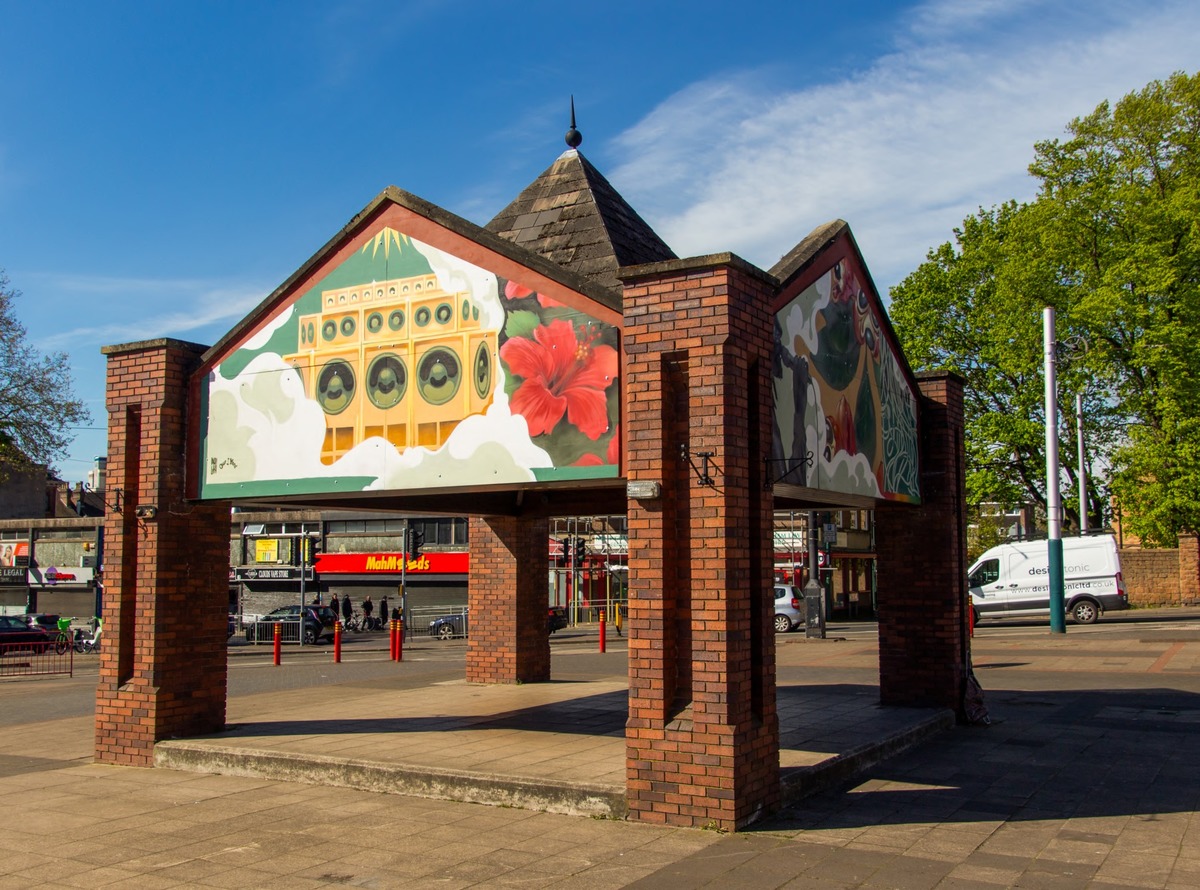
1083, 505
1058, 621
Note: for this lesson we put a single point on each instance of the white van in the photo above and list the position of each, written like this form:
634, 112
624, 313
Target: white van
1011, 580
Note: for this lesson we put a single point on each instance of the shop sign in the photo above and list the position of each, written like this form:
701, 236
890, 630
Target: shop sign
14, 554
391, 563
52, 576
274, 573
10, 575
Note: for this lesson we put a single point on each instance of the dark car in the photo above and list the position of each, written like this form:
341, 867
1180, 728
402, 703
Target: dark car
48, 623
16, 634
447, 627
319, 622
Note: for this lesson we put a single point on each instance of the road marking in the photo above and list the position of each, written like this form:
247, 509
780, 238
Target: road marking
1157, 667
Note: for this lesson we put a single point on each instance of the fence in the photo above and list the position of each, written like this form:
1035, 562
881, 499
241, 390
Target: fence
32, 659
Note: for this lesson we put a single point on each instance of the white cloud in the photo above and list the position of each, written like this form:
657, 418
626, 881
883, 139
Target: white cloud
142, 308
905, 149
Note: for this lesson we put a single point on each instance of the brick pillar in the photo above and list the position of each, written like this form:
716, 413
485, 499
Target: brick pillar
1189, 570
702, 739
508, 595
923, 638
166, 575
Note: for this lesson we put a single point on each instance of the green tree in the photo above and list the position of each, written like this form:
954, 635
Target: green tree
1112, 243
37, 407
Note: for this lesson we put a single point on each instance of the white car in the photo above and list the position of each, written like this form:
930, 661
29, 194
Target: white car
789, 605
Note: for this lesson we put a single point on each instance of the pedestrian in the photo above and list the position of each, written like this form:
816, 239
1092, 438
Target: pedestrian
368, 610
333, 604
383, 610
347, 609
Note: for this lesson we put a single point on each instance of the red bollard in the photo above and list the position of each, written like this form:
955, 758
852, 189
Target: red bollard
337, 642
400, 640
601, 630
278, 642
392, 640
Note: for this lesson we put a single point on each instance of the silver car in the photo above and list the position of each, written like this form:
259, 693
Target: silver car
788, 605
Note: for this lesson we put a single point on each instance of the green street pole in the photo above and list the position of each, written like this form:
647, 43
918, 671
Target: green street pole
1054, 551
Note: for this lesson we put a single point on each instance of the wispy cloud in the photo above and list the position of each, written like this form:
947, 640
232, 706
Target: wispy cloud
143, 308
903, 150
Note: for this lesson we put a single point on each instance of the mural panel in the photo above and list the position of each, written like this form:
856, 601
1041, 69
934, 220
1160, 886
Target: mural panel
407, 368
845, 415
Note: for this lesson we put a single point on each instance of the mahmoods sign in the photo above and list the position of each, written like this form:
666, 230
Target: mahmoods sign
404, 367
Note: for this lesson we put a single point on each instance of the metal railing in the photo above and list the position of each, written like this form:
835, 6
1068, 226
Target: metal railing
31, 659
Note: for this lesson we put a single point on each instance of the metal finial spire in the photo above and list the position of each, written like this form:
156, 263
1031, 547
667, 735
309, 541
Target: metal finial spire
574, 137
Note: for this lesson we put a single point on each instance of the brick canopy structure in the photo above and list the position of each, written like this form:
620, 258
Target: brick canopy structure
577, 356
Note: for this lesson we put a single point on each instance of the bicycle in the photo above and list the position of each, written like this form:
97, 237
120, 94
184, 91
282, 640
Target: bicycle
63, 641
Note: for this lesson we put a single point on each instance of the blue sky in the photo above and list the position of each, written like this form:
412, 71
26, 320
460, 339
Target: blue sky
165, 166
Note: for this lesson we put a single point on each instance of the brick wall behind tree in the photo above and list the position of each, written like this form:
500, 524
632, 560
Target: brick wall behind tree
1151, 576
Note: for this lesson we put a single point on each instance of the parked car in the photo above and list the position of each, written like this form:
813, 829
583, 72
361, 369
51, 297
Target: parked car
788, 605
48, 623
17, 634
319, 622
446, 627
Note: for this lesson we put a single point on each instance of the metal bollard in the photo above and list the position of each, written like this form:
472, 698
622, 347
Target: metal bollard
602, 630
337, 642
392, 640
400, 640
278, 642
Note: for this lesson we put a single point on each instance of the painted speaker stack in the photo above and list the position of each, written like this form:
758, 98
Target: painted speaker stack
401, 359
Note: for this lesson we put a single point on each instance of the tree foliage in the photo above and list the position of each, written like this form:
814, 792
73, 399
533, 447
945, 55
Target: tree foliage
1112, 242
37, 406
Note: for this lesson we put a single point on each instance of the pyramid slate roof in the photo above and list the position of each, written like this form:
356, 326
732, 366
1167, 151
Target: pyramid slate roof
573, 217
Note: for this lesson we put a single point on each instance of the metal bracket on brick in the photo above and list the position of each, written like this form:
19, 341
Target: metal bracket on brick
704, 475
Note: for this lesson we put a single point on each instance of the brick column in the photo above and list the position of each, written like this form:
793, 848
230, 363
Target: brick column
166, 565
1189, 570
923, 638
702, 739
508, 594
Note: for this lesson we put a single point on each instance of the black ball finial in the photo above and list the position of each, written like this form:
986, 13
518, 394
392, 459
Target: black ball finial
574, 137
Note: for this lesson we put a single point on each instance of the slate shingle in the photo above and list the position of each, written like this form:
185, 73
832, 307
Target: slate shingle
572, 216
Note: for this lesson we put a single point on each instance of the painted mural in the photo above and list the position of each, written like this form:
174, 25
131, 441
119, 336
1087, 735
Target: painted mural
408, 368
845, 416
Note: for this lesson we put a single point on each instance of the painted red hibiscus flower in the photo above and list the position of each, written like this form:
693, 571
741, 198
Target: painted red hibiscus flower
612, 454
561, 375
514, 291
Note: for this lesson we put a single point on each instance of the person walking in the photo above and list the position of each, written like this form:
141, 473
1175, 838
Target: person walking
383, 611
333, 604
368, 609
347, 609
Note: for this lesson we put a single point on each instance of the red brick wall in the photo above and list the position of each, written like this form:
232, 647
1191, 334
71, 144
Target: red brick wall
508, 595
921, 552
162, 666
702, 738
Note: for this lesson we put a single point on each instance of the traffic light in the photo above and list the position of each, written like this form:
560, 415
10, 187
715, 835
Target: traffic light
564, 554
580, 551
414, 540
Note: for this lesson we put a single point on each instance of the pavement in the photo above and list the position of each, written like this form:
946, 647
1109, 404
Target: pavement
1074, 784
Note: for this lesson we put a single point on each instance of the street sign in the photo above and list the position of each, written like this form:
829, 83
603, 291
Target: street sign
829, 533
